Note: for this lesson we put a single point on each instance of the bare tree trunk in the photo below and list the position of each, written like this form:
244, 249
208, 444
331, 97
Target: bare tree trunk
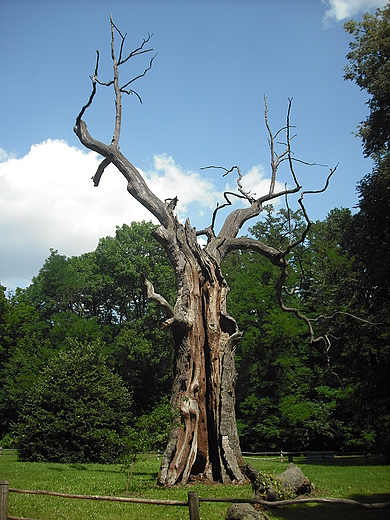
204, 442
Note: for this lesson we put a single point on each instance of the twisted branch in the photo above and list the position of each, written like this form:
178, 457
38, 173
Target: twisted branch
152, 295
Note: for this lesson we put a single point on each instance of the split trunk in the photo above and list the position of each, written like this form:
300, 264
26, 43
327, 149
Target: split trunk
204, 442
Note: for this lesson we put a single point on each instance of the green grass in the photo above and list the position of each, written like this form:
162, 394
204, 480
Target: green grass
346, 478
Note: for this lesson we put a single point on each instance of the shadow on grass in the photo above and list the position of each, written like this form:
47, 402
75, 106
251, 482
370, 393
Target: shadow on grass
78, 466
347, 461
336, 511
61, 468
150, 474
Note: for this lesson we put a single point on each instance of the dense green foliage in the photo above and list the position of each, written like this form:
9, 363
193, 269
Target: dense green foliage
293, 395
96, 297
77, 411
290, 394
369, 239
369, 68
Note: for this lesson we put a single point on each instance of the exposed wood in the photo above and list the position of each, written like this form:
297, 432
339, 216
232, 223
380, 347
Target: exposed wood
283, 503
4, 490
131, 500
193, 505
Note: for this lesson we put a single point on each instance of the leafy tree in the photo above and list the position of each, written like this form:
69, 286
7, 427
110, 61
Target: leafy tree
369, 239
143, 356
293, 395
52, 291
369, 67
76, 412
282, 389
4, 323
28, 351
5, 343
118, 263
137, 350
97, 296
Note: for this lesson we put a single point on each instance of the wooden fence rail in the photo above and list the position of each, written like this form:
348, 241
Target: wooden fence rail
311, 456
192, 503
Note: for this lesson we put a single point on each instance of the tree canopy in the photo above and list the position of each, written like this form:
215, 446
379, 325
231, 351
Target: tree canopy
369, 67
289, 395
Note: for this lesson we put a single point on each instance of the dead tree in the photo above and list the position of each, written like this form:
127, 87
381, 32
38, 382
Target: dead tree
204, 443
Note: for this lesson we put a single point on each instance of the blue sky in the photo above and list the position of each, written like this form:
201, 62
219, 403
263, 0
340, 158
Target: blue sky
202, 104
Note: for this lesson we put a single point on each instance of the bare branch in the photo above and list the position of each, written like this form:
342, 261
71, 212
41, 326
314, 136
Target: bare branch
209, 232
332, 170
323, 317
118, 31
131, 91
99, 172
152, 295
138, 51
105, 83
308, 221
288, 217
289, 145
306, 163
237, 218
276, 159
227, 203
135, 52
136, 185
117, 90
271, 142
302, 238
250, 244
244, 194
89, 102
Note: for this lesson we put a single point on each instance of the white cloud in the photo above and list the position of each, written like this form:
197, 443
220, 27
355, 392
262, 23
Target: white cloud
169, 180
255, 183
339, 10
47, 200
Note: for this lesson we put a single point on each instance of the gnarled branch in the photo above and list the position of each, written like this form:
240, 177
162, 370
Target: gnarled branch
152, 295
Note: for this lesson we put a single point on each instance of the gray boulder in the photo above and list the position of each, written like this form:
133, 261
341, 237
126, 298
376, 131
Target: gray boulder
294, 480
243, 512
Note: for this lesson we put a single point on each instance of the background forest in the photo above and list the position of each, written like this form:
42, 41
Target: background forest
83, 362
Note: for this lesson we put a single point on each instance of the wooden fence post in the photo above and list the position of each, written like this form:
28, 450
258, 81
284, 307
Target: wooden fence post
4, 491
193, 505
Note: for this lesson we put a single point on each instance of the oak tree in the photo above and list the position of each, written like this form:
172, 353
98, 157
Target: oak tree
204, 442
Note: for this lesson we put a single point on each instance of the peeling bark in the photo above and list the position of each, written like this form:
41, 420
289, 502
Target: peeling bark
204, 442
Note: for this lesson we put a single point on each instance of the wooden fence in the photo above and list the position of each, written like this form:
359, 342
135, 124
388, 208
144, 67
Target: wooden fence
311, 456
192, 503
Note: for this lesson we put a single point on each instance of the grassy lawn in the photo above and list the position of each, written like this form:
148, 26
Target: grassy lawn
345, 478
